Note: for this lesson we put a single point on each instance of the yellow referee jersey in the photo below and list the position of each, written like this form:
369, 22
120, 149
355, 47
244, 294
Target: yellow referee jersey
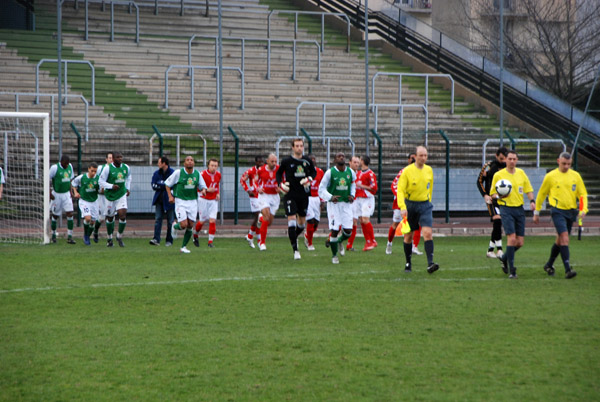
520, 185
415, 184
563, 190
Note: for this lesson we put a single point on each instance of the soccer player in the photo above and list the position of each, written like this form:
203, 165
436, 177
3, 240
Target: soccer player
299, 172
88, 199
313, 215
61, 175
185, 184
484, 183
249, 176
355, 166
415, 189
102, 198
564, 187
268, 196
163, 208
2, 181
208, 204
338, 189
397, 217
116, 182
366, 188
511, 209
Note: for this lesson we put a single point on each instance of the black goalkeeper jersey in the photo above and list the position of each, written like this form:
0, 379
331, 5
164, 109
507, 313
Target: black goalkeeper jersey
294, 171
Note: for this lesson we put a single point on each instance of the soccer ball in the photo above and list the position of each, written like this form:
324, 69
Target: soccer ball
503, 187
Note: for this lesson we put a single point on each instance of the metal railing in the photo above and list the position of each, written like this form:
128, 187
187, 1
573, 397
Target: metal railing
37, 76
419, 75
18, 95
112, 18
350, 106
321, 13
268, 40
522, 141
177, 146
190, 67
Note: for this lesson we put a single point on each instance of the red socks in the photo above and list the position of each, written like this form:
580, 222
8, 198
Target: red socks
391, 234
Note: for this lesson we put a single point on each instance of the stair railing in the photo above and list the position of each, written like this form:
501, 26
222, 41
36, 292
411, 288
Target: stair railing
66, 62
536, 141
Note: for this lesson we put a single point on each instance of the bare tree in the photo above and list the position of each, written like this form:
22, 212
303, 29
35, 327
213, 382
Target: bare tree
554, 43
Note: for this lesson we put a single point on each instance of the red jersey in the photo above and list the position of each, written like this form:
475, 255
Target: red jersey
366, 178
395, 189
212, 181
250, 176
266, 179
314, 185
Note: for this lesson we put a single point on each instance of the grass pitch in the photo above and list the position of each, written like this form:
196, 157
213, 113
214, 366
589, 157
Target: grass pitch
232, 323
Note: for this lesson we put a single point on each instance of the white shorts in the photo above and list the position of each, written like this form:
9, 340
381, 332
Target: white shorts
186, 209
207, 209
270, 201
62, 202
314, 208
397, 216
254, 205
89, 209
101, 206
365, 206
355, 209
342, 215
113, 206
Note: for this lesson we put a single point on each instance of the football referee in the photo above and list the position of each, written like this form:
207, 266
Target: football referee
563, 187
415, 189
299, 172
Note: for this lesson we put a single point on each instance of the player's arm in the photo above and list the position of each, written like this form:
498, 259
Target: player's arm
481, 180
542, 194
128, 180
401, 193
323, 193
157, 183
102, 180
202, 185
75, 184
582, 195
170, 183
280, 172
352, 195
431, 186
53, 169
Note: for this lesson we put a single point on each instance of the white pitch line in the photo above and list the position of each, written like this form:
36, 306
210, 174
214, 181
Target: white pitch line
260, 278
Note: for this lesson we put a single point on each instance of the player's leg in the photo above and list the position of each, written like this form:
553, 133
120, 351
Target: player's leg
66, 205
170, 214
70, 225
212, 222
291, 211
492, 243
426, 223
101, 216
110, 222
563, 222
122, 212
396, 219
159, 212
189, 211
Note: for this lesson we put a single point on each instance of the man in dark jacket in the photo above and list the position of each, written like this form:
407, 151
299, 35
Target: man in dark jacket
161, 201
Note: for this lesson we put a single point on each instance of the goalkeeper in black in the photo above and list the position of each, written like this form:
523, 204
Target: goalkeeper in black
294, 176
484, 182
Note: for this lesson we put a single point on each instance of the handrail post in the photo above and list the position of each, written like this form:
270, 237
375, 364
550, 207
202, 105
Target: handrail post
167, 87
447, 174
235, 175
160, 141
512, 140
268, 59
294, 61
379, 173
112, 21
304, 133
86, 21
322, 32
78, 164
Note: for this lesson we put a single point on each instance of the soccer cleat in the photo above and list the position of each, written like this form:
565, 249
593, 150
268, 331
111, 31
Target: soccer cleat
184, 250
174, 232
70, 241
432, 268
570, 274
250, 242
416, 251
297, 255
342, 250
375, 243
549, 270
53, 240
369, 246
86, 240
109, 243
196, 242
504, 262
349, 248
262, 246
120, 241
210, 245
306, 242
95, 237
512, 276
327, 242
311, 248
499, 254
335, 260
388, 248
490, 254
168, 244
153, 242
407, 267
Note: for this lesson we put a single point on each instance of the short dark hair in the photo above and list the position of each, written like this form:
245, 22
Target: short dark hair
502, 150
164, 160
366, 159
411, 157
511, 151
115, 153
65, 158
108, 153
258, 158
296, 139
93, 165
565, 155
212, 160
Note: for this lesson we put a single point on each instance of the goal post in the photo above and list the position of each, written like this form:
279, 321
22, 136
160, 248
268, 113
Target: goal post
25, 163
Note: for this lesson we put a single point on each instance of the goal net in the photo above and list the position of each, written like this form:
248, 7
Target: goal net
25, 160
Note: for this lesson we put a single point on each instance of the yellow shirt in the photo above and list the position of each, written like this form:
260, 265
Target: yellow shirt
415, 184
563, 190
520, 185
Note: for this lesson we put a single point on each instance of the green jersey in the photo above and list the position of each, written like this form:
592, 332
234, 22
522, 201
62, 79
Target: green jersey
61, 178
88, 188
2, 179
186, 185
120, 176
340, 183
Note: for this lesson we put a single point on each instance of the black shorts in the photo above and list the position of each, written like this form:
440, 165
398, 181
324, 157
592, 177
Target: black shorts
493, 209
296, 205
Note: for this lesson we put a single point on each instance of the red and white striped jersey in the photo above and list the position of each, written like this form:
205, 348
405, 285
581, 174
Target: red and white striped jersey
266, 179
366, 178
314, 185
395, 189
212, 181
248, 181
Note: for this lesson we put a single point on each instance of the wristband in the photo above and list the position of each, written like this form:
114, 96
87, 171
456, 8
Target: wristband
536, 213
